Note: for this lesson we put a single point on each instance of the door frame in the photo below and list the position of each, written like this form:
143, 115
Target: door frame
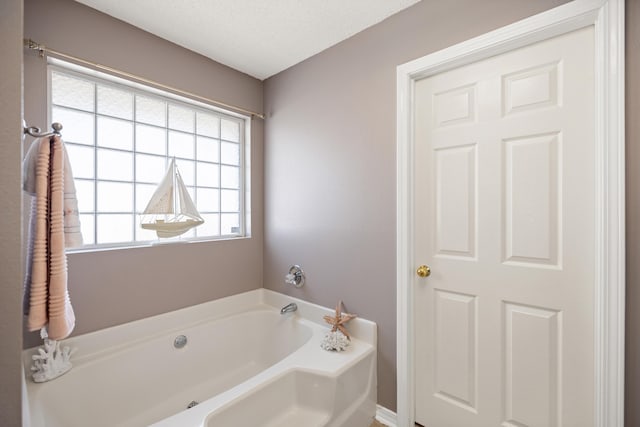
607, 17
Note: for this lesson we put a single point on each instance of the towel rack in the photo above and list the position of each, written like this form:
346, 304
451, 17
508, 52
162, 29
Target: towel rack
36, 132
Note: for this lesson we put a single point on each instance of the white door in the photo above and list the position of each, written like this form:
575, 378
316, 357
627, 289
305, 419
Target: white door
505, 219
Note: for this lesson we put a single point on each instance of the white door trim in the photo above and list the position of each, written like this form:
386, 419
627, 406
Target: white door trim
607, 16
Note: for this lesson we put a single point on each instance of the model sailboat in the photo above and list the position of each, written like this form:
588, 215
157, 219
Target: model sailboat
171, 212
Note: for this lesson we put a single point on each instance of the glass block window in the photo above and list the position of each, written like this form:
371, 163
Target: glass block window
120, 140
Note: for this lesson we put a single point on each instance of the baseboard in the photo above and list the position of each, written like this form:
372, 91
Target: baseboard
386, 416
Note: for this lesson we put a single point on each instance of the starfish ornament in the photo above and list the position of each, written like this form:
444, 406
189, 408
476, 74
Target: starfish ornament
339, 320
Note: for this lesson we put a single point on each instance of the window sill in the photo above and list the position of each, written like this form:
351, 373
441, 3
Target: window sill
150, 244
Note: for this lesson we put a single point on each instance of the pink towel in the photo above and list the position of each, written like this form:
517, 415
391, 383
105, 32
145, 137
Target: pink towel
46, 281
72, 232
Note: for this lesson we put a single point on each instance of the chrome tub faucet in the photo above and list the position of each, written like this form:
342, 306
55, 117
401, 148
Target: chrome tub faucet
289, 308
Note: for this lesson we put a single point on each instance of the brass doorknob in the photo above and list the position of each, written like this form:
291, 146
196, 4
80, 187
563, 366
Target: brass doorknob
423, 271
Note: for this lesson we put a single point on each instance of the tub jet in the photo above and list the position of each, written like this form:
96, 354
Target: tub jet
180, 341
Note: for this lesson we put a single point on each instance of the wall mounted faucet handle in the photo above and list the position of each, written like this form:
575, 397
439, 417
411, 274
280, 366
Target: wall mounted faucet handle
295, 276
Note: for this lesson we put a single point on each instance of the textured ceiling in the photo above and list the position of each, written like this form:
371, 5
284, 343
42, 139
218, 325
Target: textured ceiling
257, 37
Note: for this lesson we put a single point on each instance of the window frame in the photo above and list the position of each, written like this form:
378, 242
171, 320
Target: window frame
137, 88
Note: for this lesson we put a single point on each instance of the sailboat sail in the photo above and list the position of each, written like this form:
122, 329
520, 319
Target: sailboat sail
171, 212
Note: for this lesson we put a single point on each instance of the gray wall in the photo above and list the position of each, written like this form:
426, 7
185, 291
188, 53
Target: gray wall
330, 175
117, 286
10, 224
330, 184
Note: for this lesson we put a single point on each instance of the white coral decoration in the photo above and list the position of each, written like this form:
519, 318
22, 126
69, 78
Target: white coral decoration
335, 341
50, 362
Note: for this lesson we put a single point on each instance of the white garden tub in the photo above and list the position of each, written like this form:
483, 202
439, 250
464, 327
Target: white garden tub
244, 364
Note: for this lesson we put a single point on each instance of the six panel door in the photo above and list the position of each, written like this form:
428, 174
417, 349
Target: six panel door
505, 218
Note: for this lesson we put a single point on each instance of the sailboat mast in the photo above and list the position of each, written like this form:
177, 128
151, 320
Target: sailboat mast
175, 186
